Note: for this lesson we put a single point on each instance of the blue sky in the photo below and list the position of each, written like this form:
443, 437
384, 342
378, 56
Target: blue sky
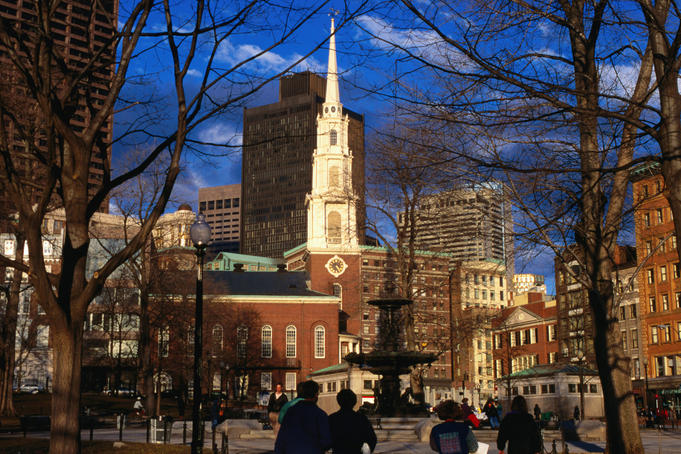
364, 64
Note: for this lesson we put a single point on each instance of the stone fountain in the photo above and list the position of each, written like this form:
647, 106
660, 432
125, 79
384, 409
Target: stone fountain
390, 359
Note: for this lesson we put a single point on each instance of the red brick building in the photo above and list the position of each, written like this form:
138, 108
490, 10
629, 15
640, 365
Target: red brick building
659, 285
524, 336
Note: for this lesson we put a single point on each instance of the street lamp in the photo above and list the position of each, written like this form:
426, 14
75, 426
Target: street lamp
645, 375
580, 358
200, 235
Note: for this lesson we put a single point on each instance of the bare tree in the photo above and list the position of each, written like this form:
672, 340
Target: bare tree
58, 93
559, 133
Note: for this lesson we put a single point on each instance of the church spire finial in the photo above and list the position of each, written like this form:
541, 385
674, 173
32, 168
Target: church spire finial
332, 94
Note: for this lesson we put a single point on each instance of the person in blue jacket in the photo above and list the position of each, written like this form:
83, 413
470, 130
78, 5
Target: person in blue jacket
305, 429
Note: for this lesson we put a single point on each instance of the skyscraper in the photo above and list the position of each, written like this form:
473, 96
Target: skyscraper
82, 33
278, 146
222, 208
470, 224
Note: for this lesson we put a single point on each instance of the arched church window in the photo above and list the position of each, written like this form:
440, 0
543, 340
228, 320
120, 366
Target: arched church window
333, 225
333, 137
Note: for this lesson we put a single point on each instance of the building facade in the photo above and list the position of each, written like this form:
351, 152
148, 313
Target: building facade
279, 142
470, 224
659, 285
83, 31
525, 282
222, 207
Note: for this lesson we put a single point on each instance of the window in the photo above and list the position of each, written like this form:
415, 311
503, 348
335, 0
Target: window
241, 340
552, 357
651, 304
337, 290
678, 300
634, 338
291, 341
42, 336
646, 219
660, 215
666, 332
653, 335
678, 331
333, 137
624, 340
673, 239
651, 276
9, 247
593, 388
334, 227
290, 381
266, 380
266, 341
623, 312
319, 342
662, 245
572, 387
677, 271
497, 341
663, 273
551, 333
217, 338
163, 341
235, 203
632, 310
649, 247
636, 369
665, 302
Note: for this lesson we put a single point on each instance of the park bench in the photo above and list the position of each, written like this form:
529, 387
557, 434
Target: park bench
10, 424
34, 423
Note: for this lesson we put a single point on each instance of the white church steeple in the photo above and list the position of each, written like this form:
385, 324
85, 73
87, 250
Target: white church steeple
332, 203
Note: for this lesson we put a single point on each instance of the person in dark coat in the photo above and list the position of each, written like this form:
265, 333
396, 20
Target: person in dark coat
277, 400
576, 413
519, 430
305, 429
453, 436
537, 412
350, 429
492, 414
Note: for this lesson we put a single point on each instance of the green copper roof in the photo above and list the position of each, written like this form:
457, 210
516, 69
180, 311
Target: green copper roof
551, 369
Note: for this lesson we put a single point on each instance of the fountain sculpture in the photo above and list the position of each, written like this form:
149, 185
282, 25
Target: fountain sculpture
389, 359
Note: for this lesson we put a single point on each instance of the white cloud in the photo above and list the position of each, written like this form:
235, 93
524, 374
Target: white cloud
194, 73
269, 61
221, 133
426, 44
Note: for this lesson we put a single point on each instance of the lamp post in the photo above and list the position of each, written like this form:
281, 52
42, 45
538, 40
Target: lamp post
645, 377
200, 235
581, 384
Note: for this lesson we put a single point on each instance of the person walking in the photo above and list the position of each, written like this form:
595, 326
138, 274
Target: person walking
537, 412
519, 430
350, 429
466, 408
576, 413
453, 436
492, 415
138, 406
277, 400
305, 429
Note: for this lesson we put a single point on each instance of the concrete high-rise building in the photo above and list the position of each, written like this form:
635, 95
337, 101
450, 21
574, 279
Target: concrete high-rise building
470, 224
82, 32
222, 207
278, 146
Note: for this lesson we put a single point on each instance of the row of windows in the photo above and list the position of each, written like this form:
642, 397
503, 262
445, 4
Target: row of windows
658, 215
661, 246
650, 273
663, 333
484, 279
219, 204
266, 337
664, 306
633, 341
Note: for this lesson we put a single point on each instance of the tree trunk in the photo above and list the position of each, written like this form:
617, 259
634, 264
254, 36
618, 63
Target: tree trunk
9, 335
65, 430
613, 367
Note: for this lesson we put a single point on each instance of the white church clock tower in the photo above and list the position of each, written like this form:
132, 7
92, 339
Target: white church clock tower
332, 203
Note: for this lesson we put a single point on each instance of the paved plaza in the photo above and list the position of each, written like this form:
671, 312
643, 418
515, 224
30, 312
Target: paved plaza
655, 442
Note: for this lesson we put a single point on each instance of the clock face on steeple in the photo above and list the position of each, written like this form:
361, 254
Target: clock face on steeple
336, 266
